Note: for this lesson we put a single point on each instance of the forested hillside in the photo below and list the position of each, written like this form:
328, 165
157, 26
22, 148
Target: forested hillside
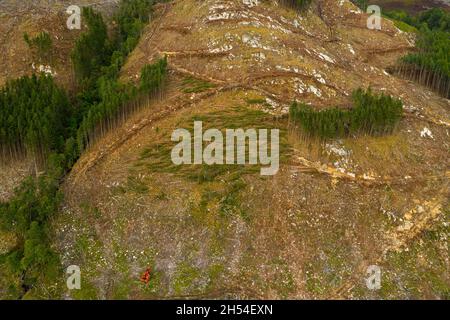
39, 120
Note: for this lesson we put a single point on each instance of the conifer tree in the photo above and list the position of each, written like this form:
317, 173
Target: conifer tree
371, 114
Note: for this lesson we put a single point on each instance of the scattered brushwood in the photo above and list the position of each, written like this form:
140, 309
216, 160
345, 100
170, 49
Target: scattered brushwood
371, 114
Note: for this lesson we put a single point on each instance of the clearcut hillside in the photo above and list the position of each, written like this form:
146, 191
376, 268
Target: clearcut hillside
308, 232
334, 208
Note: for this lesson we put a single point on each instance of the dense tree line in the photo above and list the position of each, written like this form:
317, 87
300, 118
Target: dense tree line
92, 48
131, 19
433, 19
104, 101
298, 4
370, 114
118, 101
37, 117
430, 64
153, 76
95, 53
34, 115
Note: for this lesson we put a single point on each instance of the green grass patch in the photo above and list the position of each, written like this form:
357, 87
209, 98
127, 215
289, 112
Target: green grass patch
136, 185
403, 26
185, 277
192, 85
256, 101
420, 272
87, 291
157, 157
283, 281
